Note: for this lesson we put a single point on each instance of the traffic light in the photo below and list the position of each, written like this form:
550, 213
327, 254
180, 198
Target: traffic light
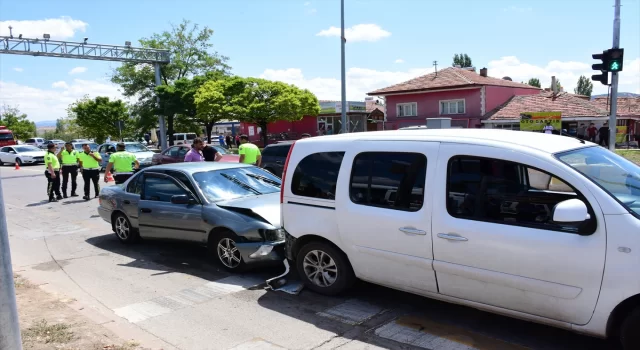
602, 67
614, 60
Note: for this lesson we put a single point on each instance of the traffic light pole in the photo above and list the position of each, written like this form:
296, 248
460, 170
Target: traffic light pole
614, 80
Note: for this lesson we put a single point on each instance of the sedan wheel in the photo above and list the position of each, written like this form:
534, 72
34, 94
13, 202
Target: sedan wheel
223, 246
324, 268
123, 230
18, 162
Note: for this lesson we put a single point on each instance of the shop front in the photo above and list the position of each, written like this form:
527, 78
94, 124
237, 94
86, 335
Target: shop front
329, 121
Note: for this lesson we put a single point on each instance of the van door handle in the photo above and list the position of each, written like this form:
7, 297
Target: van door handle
145, 210
412, 231
452, 237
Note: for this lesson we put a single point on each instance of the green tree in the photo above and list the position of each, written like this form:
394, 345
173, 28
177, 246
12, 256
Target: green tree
534, 82
217, 100
264, 101
191, 54
463, 60
99, 118
584, 87
17, 122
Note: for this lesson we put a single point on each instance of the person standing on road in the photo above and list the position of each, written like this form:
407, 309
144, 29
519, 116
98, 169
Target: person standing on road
194, 154
249, 153
210, 154
52, 173
121, 162
548, 129
69, 158
591, 132
90, 168
229, 141
582, 132
603, 135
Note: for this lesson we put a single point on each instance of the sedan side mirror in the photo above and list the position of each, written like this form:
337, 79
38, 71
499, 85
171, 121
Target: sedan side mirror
571, 211
182, 199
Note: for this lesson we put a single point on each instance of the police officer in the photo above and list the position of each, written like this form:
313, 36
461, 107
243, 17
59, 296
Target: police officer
121, 162
90, 167
52, 173
69, 158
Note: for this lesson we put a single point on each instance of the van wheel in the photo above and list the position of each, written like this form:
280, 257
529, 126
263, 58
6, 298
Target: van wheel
629, 335
324, 268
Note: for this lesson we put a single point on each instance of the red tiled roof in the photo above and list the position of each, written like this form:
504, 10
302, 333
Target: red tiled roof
451, 77
569, 104
627, 106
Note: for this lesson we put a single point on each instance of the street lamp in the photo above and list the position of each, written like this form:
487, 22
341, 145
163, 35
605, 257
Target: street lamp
343, 117
46, 36
85, 40
127, 43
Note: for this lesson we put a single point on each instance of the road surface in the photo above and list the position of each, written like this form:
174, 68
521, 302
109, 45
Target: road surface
173, 296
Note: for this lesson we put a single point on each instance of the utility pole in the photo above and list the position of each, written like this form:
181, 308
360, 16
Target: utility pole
343, 119
10, 338
614, 80
161, 124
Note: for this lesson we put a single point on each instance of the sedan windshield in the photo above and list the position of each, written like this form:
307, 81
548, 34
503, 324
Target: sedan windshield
616, 175
23, 149
92, 146
219, 185
135, 147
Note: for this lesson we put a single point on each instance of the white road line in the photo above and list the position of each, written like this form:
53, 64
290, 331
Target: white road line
351, 312
138, 312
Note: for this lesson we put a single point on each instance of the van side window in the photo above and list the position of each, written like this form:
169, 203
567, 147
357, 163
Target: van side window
316, 175
392, 180
509, 193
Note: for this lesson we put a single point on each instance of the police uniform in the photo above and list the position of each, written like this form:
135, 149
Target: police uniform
123, 165
90, 172
53, 185
69, 167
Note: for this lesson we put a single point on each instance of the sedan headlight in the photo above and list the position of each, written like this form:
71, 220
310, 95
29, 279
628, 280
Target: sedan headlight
274, 235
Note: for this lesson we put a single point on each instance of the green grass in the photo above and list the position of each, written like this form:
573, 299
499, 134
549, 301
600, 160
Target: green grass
631, 155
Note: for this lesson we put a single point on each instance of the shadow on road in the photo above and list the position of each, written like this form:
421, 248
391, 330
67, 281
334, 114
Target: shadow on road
37, 204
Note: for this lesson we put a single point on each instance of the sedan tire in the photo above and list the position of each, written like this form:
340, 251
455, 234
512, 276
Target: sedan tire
18, 162
324, 268
223, 247
124, 231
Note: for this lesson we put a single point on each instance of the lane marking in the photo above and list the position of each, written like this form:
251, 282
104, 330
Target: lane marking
139, 312
427, 334
352, 312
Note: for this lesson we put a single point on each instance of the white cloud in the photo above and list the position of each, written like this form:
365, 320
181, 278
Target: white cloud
312, 11
50, 104
567, 72
360, 81
78, 70
359, 32
59, 28
399, 60
307, 3
18, 69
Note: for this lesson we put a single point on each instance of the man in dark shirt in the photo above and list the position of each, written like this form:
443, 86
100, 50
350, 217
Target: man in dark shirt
603, 134
210, 154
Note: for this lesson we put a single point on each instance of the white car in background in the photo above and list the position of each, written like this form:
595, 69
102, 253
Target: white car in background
36, 141
21, 154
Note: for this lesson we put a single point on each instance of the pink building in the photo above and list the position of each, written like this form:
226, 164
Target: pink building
457, 93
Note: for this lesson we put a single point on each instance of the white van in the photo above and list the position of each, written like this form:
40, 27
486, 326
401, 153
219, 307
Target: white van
184, 138
539, 227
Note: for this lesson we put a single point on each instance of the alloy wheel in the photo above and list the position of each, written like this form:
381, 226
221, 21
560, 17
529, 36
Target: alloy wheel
228, 253
320, 268
122, 228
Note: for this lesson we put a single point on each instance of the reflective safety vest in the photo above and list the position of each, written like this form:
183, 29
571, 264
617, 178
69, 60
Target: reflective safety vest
69, 158
122, 161
50, 158
87, 160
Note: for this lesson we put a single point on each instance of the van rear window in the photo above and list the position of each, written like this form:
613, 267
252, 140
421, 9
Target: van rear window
316, 175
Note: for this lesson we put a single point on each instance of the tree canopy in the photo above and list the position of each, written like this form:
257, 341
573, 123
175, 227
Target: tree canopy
463, 60
218, 100
99, 118
534, 82
191, 54
17, 122
584, 87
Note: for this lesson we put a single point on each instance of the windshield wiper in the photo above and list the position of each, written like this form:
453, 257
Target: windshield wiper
265, 179
239, 183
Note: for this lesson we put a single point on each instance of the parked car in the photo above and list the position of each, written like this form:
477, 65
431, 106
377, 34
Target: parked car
274, 156
184, 138
21, 154
78, 146
58, 143
175, 154
517, 223
142, 153
231, 208
36, 141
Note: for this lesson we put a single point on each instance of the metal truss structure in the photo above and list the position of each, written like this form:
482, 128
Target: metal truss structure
87, 51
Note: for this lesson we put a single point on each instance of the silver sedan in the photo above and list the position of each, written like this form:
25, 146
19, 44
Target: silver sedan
232, 208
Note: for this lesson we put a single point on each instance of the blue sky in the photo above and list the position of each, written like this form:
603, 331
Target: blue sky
291, 40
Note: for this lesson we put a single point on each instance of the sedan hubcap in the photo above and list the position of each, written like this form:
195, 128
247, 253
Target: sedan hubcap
320, 268
228, 253
122, 228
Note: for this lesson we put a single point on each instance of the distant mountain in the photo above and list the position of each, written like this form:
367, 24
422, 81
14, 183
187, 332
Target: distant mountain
620, 94
45, 123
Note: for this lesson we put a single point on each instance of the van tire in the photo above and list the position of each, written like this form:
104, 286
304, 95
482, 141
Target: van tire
629, 335
345, 276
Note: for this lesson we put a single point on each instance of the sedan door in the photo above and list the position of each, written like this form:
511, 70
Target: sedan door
383, 208
495, 241
5, 155
160, 218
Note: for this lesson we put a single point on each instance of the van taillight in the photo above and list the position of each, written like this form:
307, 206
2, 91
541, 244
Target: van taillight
284, 172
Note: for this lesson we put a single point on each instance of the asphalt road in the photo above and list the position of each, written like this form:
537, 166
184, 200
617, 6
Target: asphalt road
169, 295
